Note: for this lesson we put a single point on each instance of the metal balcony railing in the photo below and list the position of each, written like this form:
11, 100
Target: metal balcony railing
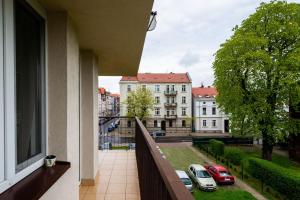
170, 116
170, 104
157, 178
170, 92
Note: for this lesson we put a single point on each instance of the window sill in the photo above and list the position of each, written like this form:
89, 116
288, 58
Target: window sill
37, 183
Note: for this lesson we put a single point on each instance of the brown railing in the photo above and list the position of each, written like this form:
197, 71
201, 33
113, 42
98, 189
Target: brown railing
157, 178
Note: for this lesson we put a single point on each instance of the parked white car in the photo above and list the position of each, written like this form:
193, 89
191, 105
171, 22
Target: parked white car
185, 179
201, 177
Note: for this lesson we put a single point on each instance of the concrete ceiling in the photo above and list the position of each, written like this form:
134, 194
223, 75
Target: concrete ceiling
114, 29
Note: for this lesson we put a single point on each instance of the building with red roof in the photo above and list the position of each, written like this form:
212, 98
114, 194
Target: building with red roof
206, 114
173, 96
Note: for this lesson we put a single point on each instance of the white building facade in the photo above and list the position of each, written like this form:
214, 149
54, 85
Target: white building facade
208, 118
173, 99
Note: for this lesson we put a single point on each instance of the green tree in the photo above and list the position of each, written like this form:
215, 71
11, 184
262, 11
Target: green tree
257, 72
139, 103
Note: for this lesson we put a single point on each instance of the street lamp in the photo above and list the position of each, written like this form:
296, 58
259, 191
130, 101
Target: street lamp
152, 22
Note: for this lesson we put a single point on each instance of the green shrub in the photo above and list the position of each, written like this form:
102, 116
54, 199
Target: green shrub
285, 181
216, 147
234, 155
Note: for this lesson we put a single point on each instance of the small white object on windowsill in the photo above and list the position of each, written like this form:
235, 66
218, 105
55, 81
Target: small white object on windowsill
50, 160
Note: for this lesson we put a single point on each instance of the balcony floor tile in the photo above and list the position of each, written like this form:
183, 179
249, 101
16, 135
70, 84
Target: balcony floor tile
117, 179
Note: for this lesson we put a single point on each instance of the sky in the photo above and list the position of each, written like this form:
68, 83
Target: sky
187, 35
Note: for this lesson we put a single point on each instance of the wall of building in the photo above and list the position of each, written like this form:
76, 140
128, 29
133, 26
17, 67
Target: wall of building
63, 103
199, 116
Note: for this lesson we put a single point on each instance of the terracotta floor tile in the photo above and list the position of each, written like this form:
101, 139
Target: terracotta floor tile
115, 197
116, 188
94, 197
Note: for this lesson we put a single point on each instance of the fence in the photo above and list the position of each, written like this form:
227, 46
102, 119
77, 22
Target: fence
226, 140
157, 178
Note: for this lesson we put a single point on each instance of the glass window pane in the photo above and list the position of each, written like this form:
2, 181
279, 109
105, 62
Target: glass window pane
29, 35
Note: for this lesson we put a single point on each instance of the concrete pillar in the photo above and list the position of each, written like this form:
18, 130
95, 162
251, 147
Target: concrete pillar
63, 102
89, 117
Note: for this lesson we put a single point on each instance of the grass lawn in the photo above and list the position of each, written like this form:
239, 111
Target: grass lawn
181, 157
223, 194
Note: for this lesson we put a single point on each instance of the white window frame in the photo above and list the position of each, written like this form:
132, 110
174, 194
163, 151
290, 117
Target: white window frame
204, 123
212, 110
204, 113
157, 111
157, 100
128, 88
183, 111
157, 88
183, 88
214, 123
183, 100
8, 116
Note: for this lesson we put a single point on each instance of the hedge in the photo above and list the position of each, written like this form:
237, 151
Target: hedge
285, 181
234, 155
216, 147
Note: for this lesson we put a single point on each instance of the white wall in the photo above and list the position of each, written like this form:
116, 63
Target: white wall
63, 103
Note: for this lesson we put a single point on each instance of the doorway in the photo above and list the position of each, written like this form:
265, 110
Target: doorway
163, 125
226, 126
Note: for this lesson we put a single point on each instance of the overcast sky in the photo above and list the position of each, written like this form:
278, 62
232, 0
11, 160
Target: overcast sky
187, 35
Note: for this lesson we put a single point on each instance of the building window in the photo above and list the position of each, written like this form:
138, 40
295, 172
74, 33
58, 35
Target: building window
128, 123
172, 88
204, 123
183, 123
128, 88
204, 111
183, 100
204, 102
183, 111
157, 100
183, 88
214, 123
170, 123
214, 102
213, 110
157, 88
30, 82
155, 123
157, 111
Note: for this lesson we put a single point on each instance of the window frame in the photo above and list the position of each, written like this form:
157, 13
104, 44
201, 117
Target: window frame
183, 99
157, 88
204, 123
157, 111
214, 111
204, 110
128, 88
183, 111
157, 100
183, 88
214, 123
11, 174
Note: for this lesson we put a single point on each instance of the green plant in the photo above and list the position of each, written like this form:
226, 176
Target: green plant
285, 181
216, 147
234, 155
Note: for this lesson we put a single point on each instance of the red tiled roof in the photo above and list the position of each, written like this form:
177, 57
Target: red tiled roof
114, 95
204, 91
101, 90
159, 78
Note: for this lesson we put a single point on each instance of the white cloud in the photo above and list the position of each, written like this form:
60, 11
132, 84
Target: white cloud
189, 29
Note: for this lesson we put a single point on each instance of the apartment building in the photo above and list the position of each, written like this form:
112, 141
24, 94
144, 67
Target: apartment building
50, 53
173, 99
108, 103
207, 117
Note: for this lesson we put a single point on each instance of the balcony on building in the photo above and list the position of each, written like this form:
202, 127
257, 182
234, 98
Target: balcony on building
170, 104
170, 116
170, 92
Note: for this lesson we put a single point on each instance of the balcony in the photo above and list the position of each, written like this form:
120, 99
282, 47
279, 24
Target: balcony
170, 92
138, 173
170, 104
171, 116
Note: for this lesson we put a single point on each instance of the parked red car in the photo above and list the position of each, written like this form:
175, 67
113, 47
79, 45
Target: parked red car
220, 174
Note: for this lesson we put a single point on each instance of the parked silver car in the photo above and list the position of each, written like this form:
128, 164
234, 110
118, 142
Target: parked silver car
185, 179
201, 177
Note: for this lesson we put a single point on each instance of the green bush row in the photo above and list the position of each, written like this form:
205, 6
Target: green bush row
234, 155
285, 181
216, 147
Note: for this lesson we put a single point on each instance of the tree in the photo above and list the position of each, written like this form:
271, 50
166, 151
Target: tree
257, 73
139, 103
